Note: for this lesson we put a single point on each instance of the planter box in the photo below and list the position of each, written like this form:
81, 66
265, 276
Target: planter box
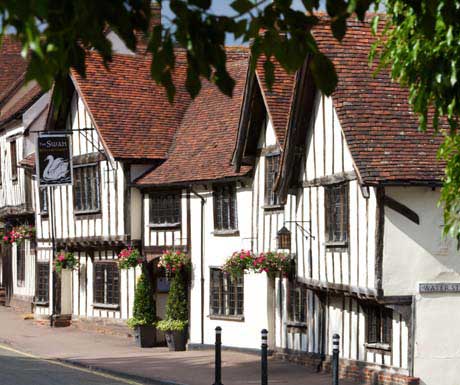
176, 341
145, 336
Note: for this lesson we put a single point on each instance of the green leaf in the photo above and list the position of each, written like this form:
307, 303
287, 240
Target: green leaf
324, 74
339, 28
269, 73
242, 6
310, 5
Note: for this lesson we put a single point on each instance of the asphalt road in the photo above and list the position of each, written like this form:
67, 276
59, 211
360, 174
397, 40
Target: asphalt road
18, 368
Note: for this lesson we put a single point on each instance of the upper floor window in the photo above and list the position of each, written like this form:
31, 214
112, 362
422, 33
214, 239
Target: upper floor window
86, 188
297, 303
165, 208
106, 283
21, 264
225, 211
379, 325
14, 160
336, 207
43, 191
226, 294
1, 168
271, 172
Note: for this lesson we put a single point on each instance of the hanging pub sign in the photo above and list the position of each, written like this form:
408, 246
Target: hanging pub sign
54, 159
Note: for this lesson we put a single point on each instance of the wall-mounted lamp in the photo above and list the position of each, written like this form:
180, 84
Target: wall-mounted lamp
284, 239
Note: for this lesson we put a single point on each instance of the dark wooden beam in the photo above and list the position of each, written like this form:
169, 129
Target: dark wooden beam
401, 209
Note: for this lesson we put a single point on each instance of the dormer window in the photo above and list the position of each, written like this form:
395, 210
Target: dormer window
336, 208
13, 161
271, 172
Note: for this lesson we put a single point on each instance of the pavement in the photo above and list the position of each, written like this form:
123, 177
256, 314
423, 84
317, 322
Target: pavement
117, 356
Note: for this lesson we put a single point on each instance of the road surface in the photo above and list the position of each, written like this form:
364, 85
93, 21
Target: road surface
17, 368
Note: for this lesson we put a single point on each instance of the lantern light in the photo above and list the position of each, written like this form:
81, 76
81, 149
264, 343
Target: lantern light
284, 239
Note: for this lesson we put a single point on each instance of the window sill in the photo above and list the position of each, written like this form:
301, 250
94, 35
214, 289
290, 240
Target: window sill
234, 318
41, 303
273, 207
296, 327
337, 245
163, 226
90, 213
44, 214
106, 306
378, 346
226, 233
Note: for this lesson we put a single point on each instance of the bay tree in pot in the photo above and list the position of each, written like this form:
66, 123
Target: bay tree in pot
176, 320
144, 314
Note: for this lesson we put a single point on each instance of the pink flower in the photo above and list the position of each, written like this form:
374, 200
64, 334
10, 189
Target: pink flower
5, 238
61, 258
173, 269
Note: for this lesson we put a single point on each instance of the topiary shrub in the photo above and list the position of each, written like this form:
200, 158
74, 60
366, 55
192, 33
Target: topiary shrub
144, 312
176, 306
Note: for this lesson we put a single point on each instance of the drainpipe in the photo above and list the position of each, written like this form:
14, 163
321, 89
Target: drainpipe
203, 201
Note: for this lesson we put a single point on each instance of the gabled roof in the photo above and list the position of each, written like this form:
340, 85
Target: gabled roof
276, 103
377, 121
20, 102
203, 146
131, 112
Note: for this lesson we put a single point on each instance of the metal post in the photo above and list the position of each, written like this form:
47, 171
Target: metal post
218, 363
264, 355
335, 359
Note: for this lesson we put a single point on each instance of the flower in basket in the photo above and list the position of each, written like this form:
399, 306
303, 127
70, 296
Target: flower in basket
174, 261
129, 257
18, 234
272, 263
238, 263
64, 260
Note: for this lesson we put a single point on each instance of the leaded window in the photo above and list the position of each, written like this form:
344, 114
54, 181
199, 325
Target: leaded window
14, 160
271, 172
165, 208
225, 210
379, 325
297, 303
43, 191
21, 264
226, 294
106, 283
86, 188
336, 202
43, 274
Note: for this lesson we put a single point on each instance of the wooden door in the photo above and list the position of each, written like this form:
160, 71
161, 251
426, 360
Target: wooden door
7, 272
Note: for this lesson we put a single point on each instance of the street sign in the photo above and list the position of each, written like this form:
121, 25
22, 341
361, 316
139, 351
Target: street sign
441, 287
54, 159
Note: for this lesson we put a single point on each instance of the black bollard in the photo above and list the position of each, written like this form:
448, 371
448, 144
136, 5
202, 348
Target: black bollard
335, 359
264, 355
218, 350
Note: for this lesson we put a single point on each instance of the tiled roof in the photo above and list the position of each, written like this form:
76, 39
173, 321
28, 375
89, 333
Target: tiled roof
28, 161
132, 112
376, 118
279, 99
19, 106
12, 64
203, 147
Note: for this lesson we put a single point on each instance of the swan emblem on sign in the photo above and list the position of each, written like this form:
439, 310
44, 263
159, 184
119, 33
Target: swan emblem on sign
55, 169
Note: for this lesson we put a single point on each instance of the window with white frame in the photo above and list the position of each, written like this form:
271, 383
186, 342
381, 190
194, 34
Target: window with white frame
13, 160
21, 264
43, 274
271, 172
297, 303
43, 191
379, 324
225, 209
86, 188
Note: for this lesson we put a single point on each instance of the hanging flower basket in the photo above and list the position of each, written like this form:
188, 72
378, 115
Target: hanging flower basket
273, 264
174, 262
238, 263
19, 234
64, 260
129, 257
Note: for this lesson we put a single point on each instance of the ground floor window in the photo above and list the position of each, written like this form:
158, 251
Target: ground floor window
226, 294
21, 264
43, 276
106, 283
379, 325
297, 304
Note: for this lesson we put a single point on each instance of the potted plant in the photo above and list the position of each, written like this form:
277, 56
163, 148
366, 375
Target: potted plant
175, 323
144, 314
129, 257
273, 264
238, 263
174, 262
64, 260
